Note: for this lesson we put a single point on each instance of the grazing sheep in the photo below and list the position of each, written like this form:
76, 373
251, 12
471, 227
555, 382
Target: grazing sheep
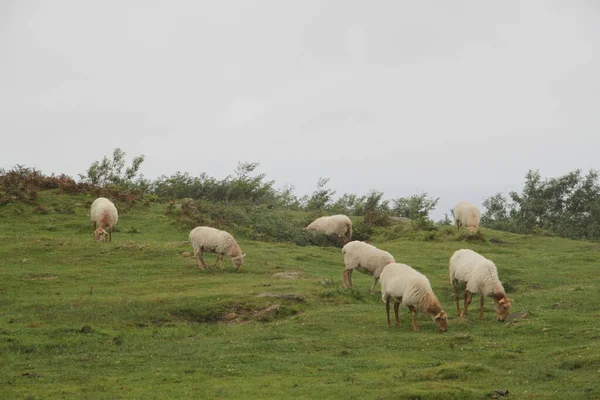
211, 240
411, 288
467, 215
335, 225
364, 258
480, 276
104, 215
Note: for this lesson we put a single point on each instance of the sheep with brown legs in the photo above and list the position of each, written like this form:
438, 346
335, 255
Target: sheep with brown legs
211, 240
410, 288
365, 258
480, 276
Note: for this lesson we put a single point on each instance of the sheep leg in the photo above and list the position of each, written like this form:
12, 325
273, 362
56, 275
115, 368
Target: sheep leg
349, 279
201, 263
372, 290
221, 265
482, 302
345, 278
216, 261
387, 311
95, 227
110, 234
457, 225
455, 287
413, 313
468, 298
396, 305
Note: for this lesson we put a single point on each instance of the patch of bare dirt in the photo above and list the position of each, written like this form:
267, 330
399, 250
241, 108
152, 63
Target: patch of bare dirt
285, 296
42, 276
287, 275
242, 316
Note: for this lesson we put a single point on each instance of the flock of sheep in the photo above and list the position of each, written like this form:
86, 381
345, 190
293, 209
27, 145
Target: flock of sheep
399, 282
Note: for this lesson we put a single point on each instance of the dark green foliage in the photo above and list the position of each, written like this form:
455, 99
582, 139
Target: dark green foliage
258, 222
321, 198
468, 236
241, 187
417, 206
568, 206
361, 231
421, 229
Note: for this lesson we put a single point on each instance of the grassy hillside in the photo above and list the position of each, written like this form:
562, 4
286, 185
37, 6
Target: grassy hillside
135, 318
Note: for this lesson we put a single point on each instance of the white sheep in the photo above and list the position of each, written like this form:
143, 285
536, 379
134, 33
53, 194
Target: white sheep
480, 276
211, 240
334, 225
365, 258
467, 215
104, 215
411, 288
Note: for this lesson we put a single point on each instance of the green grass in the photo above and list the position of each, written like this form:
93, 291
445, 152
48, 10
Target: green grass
135, 318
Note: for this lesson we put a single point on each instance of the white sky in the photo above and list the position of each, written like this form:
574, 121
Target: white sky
454, 98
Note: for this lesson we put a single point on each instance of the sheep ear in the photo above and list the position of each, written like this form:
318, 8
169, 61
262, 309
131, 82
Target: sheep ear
502, 300
243, 255
438, 316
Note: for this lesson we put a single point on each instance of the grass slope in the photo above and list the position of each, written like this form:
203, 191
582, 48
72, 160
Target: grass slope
135, 319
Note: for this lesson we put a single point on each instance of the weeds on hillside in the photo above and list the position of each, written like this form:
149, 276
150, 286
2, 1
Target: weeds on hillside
255, 222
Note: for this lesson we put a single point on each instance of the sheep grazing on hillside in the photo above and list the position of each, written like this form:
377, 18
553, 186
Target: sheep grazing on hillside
335, 225
411, 288
211, 240
480, 276
467, 215
365, 258
104, 215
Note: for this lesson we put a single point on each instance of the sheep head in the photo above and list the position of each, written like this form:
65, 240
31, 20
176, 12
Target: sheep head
100, 235
238, 261
441, 320
502, 308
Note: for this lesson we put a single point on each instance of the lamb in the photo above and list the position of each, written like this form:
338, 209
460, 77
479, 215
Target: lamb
467, 215
480, 276
335, 225
365, 258
104, 215
211, 240
411, 288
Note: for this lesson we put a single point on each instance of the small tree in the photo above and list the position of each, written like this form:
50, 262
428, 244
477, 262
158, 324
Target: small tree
321, 198
110, 171
416, 206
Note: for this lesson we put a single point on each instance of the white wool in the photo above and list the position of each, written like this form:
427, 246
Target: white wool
479, 273
211, 240
366, 258
102, 205
467, 214
405, 285
339, 225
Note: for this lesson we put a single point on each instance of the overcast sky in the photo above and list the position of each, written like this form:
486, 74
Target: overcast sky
458, 99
